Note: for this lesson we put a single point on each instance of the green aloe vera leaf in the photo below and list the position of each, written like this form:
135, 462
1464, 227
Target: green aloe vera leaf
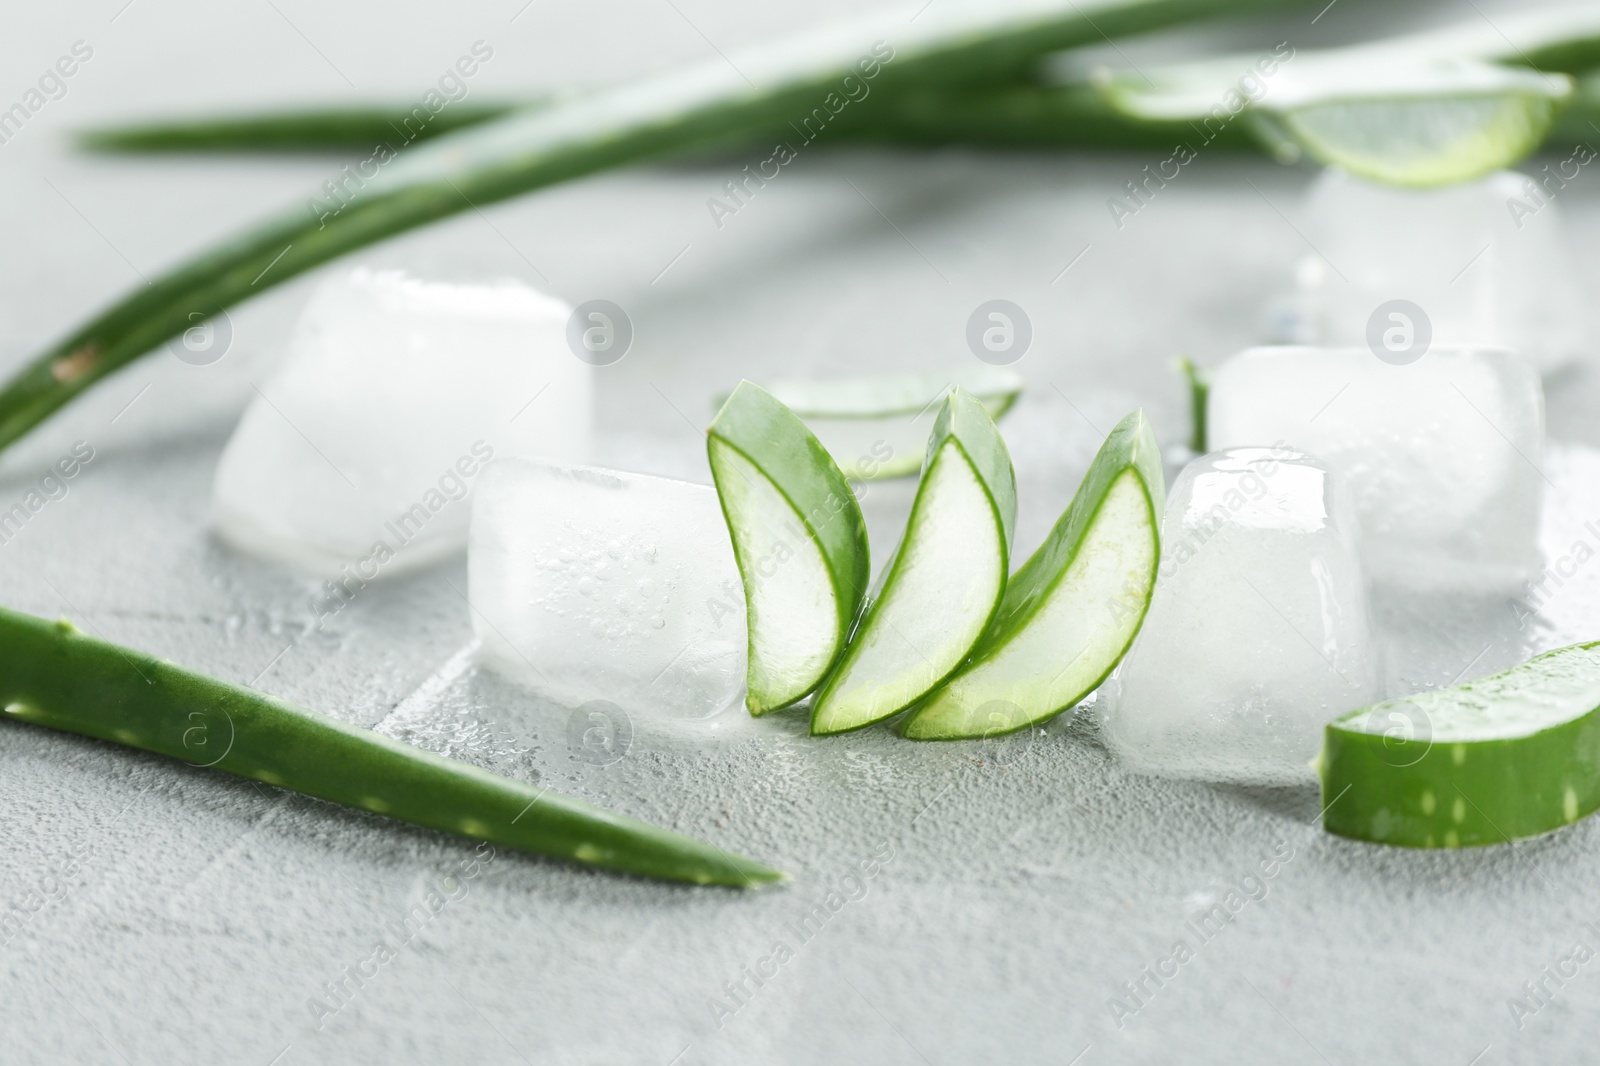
355, 129
1564, 40
54, 676
802, 80
1026, 112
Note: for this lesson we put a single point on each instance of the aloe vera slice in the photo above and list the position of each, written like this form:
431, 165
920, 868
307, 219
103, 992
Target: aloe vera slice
939, 592
1373, 110
1424, 126
799, 540
1071, 612
1504, 757
872, 426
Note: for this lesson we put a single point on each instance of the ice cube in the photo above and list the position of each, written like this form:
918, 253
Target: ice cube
358, 454
1488, 262
1258, 632
1442, 454
591, 584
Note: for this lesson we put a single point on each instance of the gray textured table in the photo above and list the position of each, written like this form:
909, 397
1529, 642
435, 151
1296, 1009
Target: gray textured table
154, 913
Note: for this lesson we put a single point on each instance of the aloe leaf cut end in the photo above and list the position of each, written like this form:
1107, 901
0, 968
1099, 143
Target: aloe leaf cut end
1422, 142
799, 540
1411, 120
1070, 613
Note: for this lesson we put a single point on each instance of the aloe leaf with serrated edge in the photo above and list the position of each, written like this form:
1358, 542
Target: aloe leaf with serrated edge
798, 538
802, 80
1070, 613
939, 592
1508, 756
53, 676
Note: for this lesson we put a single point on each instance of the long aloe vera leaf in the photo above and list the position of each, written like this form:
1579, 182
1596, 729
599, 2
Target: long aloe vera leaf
1025, 113
52, 675
804, 80
309, 130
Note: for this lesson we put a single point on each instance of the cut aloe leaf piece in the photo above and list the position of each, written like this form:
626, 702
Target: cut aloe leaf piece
799, 540
1070, 613
1421, 126
939, 592
1504, 757
874, 427
1371, 110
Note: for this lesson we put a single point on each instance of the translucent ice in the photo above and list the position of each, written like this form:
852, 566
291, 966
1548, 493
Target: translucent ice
591, 584
359, 453
1441, 454
1488, 262
1258, 632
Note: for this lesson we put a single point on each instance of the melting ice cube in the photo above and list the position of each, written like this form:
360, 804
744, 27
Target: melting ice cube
1488, 263
1258, 632
591, 584
359, 453
1442, 454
